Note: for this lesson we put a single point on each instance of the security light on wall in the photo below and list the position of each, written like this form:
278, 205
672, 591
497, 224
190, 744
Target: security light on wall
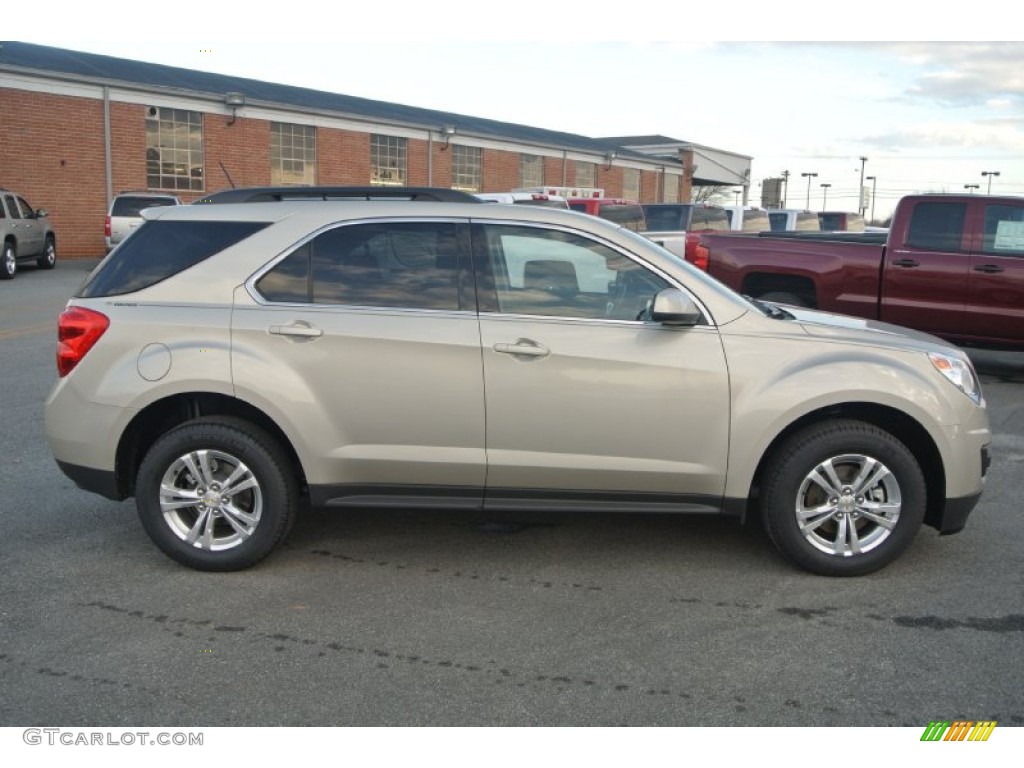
447, 131
609, 158
234, 100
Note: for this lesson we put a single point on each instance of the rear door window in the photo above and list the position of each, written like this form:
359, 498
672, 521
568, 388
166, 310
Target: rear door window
160, 249
412, 265
1004, 230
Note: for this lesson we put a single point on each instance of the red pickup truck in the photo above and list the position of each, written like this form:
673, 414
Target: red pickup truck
951, 265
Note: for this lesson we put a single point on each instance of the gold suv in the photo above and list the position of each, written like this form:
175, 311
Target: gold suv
230, 361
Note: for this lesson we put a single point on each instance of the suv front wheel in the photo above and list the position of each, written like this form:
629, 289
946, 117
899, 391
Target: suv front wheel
843, 498
48, 258
216, 494
8, 261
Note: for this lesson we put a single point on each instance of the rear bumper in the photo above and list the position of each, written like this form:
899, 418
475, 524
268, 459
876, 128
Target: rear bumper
93, 480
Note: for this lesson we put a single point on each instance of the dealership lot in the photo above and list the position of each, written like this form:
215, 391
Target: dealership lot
443, 618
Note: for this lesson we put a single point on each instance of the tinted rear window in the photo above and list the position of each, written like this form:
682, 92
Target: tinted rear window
666, 218
628, 216
130, 206
756, 221
159, 249
709, 218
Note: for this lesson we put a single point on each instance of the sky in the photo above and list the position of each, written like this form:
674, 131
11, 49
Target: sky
928, 116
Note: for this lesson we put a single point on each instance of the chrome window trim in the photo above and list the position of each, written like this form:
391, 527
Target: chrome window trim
250, 284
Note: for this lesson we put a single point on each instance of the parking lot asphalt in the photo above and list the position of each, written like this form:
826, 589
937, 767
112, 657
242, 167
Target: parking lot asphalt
445, 618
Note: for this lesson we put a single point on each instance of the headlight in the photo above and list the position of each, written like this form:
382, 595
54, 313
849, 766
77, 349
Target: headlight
960, 373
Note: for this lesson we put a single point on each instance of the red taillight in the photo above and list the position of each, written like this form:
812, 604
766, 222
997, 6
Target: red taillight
701, 257
106, 227
77, 330
697, 253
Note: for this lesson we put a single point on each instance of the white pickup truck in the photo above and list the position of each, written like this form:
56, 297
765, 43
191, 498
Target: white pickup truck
675, 226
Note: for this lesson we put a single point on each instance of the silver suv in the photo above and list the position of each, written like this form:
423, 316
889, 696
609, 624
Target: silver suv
125, 213
26, 235
229, 363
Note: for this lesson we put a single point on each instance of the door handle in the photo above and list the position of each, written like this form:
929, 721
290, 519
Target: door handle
988, 269
523, 348
298, 330
906, 263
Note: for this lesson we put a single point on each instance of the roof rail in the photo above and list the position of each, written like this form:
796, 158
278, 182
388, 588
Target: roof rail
280, 194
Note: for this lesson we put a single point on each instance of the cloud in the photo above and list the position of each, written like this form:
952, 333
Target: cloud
964, 74
991, 136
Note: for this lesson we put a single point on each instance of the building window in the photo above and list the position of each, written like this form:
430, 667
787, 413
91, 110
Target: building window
292, 154
174, 149
586, 174
671, 188
531, 171
466, 168
387, 160
631, 183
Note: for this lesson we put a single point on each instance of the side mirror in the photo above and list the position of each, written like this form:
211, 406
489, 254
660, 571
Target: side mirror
42, 213
673, 307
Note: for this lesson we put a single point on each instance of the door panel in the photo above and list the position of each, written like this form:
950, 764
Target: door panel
358, 344
616, 407
583, 399
924, 282
995, 300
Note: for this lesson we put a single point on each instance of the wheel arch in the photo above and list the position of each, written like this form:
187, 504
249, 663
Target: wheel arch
758, 284
162, 415
903, 427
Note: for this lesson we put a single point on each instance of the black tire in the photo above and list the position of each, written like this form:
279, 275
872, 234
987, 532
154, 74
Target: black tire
866, 521
48, 258
265, 511
782, 297
8, 261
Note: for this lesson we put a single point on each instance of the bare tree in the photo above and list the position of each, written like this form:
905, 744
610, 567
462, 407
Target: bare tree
704, 194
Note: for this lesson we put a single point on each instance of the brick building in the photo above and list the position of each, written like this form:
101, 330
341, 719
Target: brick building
77, 128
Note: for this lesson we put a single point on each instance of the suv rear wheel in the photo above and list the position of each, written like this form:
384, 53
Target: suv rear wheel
216, 494
843, 498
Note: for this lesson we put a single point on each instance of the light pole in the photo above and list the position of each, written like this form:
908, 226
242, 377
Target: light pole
990, 174
785, 187
737, 192
971, 187
824, 195
860, 191
809, 176
874, 181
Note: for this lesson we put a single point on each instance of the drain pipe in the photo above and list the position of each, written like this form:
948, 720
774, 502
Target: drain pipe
430, 158
108, 165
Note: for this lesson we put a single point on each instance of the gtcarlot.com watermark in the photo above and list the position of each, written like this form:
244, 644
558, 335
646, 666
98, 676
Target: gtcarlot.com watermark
54, 737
